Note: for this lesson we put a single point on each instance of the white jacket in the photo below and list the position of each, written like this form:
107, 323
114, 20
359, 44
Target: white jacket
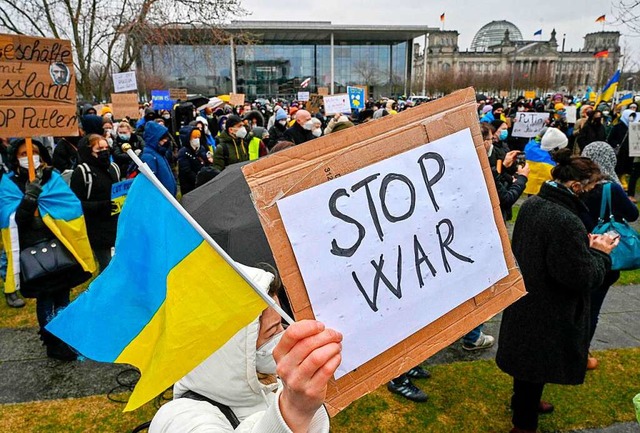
229, 377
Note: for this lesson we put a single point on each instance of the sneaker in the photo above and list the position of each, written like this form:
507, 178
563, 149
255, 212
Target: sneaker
13, 300
483, 342
408, 390
418, 373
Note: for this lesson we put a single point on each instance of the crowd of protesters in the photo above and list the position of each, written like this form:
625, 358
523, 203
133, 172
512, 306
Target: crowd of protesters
566, 269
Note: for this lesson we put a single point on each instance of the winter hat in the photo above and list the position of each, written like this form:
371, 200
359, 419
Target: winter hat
106, 109
195, 133
486, 109
293, 110
232, 121
603, 154
281, 115
559, 106
553, 139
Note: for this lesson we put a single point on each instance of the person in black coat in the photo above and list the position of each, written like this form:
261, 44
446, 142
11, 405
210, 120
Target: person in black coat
126, 135
544, 336
300, 132
92, 183
192, 158
65, 155
619, 139
276, 132
592, 131
53, 296
621, 208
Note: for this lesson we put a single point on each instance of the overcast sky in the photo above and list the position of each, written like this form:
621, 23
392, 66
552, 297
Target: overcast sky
573, 17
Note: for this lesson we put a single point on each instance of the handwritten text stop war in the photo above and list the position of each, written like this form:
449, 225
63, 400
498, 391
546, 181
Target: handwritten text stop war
444, 228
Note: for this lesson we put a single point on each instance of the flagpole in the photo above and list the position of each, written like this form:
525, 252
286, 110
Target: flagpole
144, 169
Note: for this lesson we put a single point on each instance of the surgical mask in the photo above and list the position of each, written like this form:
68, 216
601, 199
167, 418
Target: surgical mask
195, 144
124, 137
265, 363
282, 122
24, 162
308, 125
107, 132
166, 116
241, 133
504, 134
317, 132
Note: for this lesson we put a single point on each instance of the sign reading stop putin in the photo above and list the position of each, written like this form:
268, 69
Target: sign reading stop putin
37, 87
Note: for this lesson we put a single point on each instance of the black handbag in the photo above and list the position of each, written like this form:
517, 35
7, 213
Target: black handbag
48, 266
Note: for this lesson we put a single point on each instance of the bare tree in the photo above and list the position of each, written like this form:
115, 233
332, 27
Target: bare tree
108, 36
627, 12
368, 72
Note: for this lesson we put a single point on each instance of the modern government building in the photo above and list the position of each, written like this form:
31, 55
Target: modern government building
278, 59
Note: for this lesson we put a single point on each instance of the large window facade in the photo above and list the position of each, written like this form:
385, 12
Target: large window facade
275, 70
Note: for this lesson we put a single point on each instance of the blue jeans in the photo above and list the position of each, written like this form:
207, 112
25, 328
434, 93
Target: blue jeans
473, 335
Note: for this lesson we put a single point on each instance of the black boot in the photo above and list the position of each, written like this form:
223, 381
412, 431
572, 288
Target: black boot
56, 348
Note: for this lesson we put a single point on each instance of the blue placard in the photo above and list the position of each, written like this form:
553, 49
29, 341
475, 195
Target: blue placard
161, 100
356, 97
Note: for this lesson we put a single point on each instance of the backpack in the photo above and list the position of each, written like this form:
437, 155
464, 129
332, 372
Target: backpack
87, 175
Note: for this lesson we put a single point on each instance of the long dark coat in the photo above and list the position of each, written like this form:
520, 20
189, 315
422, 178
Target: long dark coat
544, 336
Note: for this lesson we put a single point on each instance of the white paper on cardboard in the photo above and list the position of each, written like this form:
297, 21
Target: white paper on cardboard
388, 249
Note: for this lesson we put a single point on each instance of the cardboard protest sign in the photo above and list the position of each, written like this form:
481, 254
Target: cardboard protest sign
125, 82
161, 100
125, 104
119, 193
356, 97
314, 104
303, 96
37, 87
405, 212
236, 99
323, 91
528, 124
634, 139
336, 104
175, 94
572, 114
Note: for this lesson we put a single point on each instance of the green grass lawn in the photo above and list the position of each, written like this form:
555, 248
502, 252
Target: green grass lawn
464, 397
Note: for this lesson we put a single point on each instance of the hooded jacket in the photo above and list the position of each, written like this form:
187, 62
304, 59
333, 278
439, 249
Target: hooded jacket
229, 151
155, 156
229, 377
190, 161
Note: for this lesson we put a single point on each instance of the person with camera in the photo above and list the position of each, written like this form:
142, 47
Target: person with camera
510, 175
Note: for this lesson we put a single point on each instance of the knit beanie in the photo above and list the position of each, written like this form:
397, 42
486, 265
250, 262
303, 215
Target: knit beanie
195, 133
553, 139
281, 115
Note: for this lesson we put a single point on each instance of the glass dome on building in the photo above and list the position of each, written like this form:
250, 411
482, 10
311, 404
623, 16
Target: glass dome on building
493, 33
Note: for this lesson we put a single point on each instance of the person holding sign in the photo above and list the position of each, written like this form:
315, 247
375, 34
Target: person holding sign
236, 388
33, 210
544, 336
91, 182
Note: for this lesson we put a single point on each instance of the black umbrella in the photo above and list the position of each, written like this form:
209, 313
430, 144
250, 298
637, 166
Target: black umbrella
223, 207
197, 100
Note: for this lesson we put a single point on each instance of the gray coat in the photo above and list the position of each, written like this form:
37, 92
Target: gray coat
544, 337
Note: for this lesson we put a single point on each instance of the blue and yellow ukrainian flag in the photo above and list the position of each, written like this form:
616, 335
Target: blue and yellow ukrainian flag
540, 165
625, 100
166, 301
61, 211
610, 89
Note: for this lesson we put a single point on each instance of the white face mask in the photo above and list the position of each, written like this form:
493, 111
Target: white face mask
195, 143
110, 141
265, 363
317, 132
308, 125
282, 122
24, 162
241, 133
166, 116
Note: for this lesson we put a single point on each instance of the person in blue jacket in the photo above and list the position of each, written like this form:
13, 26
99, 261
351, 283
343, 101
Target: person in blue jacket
155, 153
